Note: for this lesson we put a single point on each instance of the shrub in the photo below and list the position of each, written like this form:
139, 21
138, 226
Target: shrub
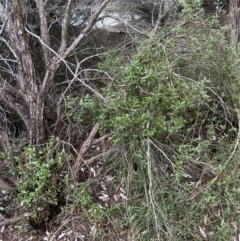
36, 169
175, 114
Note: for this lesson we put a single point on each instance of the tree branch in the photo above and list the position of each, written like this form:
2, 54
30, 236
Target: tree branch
65, 24
87, 143
85, 146
162, 15
86, 30
9, 95
55, 63
93, 160
3, 15
44, 30
15, 219
159, 20
10, 48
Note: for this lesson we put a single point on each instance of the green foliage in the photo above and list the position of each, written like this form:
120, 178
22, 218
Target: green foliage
151, 98
3, 155
36, 169
92, 210
83, 110
83, 198
190, 5
174, 112
111, 64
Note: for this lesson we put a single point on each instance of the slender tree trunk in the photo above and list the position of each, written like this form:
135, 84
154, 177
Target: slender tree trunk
29, 89
36, 127
233, 21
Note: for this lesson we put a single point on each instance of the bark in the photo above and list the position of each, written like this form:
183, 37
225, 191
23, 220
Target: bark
25, 97
233, 21
36, 127
44, 30
26, 93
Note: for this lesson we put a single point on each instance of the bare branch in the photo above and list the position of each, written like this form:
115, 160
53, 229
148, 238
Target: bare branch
10, 96
44, 29
86, 30
126, 24
55, 63
161, 17
3, 15
87, 143
10, 48
15, 219
102, 138
45, 3
3, 18
65, 24
4, 85
28, 97
8, 70
85, 147
159, 20
92, 160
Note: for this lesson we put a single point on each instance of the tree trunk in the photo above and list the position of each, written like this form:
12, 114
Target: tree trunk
30, 90
25, 96
233, 21
35, 125
20, 87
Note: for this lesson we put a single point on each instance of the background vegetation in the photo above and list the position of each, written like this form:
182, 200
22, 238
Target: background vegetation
159, 153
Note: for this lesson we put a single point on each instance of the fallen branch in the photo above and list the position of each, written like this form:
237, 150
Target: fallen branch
84, 148
100, 139
92, 160
5, 185
87, 143
15, 219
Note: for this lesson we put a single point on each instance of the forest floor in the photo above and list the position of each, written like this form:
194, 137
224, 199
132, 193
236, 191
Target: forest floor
69, 220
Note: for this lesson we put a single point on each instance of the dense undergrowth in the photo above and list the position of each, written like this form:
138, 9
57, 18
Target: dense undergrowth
173, 112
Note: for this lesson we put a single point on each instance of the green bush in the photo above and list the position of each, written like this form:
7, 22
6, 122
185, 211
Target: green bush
36, 169
174, 112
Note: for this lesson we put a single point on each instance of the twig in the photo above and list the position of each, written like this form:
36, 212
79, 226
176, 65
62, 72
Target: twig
15, 219
151, 189
160, 19
80, 157
5, 185
125, 25
100, 139
86, 30
92, 160
164, 154
235, 149
2, 217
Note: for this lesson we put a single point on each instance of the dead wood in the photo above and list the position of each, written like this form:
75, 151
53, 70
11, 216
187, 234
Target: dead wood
4, 185
14, 220
100, 156
87, 143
